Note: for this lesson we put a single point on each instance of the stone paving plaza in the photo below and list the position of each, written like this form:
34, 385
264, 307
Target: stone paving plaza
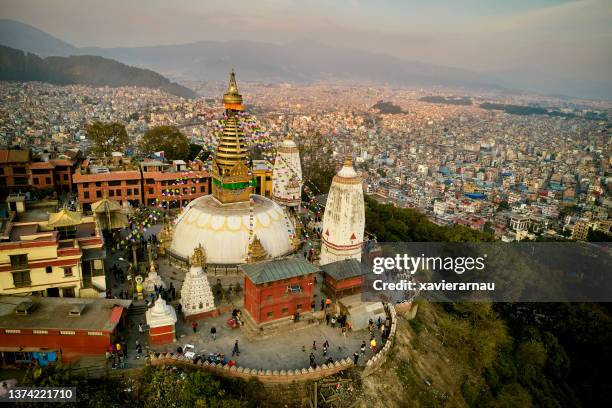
281, 350
278, 351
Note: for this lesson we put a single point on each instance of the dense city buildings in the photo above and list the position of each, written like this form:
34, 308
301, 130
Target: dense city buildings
457, 163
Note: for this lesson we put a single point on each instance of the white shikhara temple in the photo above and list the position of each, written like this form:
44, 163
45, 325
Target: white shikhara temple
287, 174
344, 217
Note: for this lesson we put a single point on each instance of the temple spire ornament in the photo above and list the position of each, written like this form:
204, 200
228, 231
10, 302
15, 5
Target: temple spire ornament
257, 252
199, 257
153, 279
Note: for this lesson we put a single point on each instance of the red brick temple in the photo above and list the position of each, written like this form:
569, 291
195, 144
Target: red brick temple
278, 289
342, 278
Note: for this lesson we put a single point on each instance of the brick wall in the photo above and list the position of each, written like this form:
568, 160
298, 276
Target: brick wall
265, 376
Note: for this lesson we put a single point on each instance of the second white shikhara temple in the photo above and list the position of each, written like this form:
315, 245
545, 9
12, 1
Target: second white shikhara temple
344, 217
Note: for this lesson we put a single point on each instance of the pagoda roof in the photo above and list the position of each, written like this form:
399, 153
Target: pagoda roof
64, 218
278, 269
105, 205
345, 269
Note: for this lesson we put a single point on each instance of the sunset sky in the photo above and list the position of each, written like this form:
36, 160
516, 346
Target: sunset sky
572, 37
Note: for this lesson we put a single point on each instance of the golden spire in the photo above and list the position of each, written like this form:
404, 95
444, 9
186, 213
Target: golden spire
256, 251
231, 179
232, 100
199, 256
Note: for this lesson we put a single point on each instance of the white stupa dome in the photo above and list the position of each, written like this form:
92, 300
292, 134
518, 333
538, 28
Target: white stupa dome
225, 230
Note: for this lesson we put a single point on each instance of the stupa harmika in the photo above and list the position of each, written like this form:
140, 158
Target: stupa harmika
344, 217
196, 296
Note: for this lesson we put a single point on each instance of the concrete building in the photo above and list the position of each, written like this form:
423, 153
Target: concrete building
57, 254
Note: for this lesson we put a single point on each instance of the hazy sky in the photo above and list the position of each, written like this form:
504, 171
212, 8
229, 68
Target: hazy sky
566, 37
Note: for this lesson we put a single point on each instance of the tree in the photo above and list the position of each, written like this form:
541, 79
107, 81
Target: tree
318, 166
168, 139
107, 137
194, 151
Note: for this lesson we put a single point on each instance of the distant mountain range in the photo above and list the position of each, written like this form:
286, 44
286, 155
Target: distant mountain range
16, 65
299, 61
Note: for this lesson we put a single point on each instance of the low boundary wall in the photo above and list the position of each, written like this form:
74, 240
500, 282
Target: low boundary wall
377, 360
265, 376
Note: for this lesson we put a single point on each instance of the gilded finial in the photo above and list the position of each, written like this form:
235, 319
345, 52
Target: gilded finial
232, 100
232, 88
199, 256
348, 160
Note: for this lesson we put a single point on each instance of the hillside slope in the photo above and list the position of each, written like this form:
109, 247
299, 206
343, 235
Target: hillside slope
16, 65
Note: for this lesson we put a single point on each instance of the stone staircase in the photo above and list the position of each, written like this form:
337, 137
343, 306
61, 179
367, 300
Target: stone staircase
137, 309
278, 326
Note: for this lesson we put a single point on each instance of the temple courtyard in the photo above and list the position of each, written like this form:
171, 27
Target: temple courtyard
282, 349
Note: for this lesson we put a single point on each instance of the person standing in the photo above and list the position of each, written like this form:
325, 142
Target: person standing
236, 350
373, 345
355, 358
138, 349
194, 326
213, 333
363, 347
314, 344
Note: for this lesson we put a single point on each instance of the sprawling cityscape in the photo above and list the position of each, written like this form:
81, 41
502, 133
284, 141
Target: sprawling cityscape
195, 224
517, 176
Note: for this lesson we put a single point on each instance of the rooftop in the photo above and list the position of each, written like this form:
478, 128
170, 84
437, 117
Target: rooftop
15, 156
345, 269
52, 313
278, 269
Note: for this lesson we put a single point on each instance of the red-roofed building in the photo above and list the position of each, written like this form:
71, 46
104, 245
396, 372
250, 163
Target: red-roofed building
14, 170
42, 175
63, 169
173, 183
50, 330
150, 183
120, 186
